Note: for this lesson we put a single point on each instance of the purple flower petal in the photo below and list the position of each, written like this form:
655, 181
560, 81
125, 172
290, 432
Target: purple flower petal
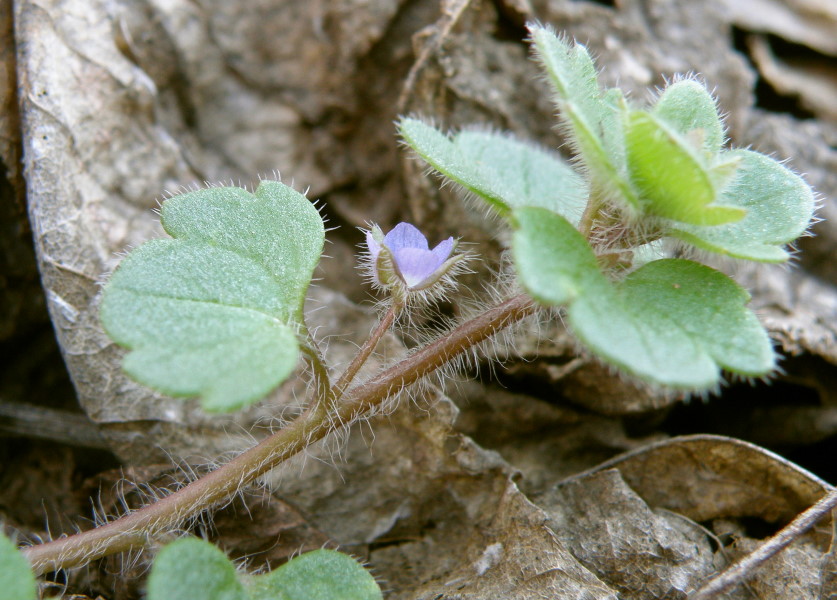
416, 264
443, 249
405, 235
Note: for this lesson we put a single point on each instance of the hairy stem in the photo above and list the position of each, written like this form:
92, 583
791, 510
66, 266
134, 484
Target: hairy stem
135, 529
322, 382
366, 350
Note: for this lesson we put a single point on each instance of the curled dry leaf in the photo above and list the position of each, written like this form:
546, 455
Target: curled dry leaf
613, 521
707, 477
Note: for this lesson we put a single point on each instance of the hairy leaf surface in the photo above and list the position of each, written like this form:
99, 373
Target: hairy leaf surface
671, 322
592, 116
501, 170
215, 311
318, 575
673, 181
688, 108
779, 207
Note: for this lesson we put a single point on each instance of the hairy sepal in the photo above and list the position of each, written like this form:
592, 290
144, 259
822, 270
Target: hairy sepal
674, 323
214, 312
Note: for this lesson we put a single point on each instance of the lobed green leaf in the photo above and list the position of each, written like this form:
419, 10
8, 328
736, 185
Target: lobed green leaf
215, 311
318, 575
779, 206
504, 172
277, 227
671, 322
191, 568
553, 260
16, 578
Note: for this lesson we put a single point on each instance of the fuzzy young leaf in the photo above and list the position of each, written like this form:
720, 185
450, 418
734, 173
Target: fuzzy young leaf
591, 115
317, 575
689, 109
504, 172
670, 175
779, 206
215, 311
190, 568
16, 578
672, 322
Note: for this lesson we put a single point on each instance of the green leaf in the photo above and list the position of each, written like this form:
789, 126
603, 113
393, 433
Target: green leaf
188, 569
215, 311
675, 322
779, 206
592, 116
671, 322
540, 238
317, 575
504, 172
16, 578
670, 175
687, 107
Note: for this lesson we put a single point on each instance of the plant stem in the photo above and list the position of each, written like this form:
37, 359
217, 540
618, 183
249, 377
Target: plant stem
590, 214
366, 350
325, 391
742, 570
135, 529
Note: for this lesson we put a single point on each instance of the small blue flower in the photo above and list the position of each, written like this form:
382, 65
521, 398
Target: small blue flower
402, 259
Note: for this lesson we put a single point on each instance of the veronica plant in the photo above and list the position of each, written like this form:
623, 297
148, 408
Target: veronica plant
599, 240
216, 310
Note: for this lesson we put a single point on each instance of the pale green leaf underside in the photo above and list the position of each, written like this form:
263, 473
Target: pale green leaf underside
317, 575
779, 207
689, 109
191, 568
592, 116
214, 312
669, 175
504, 172
16, 578
672, 322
